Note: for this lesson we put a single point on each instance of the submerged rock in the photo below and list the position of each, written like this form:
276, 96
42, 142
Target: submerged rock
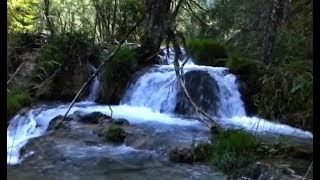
120, 121
203, 90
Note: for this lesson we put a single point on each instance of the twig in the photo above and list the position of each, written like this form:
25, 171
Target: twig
110, 57
15, 73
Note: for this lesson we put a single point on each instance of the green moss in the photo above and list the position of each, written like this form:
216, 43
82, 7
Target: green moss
16, 99
207, 51
115, 133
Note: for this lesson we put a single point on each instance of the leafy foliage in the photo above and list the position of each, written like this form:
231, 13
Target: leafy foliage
22, 15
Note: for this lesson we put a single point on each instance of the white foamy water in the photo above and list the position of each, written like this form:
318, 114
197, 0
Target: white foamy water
151, 98
93, 92
36, 121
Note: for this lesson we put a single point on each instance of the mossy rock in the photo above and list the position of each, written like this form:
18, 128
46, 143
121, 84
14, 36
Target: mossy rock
116, 74
115, 134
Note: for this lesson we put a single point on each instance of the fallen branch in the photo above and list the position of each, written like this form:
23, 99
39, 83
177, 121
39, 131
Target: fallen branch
203, 116
305, 176
110, 57
15, 73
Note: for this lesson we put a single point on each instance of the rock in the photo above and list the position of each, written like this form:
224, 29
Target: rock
181, 155
53, 123
120, 121
94, 117
203, 89
115, 134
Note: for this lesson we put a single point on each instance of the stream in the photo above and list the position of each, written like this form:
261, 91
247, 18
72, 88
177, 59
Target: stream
149, 105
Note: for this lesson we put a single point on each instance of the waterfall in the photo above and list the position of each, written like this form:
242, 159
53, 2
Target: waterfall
151, 98
157, 89
94, 88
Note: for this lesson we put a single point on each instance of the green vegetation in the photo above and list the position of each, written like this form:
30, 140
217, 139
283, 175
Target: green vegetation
115, 133
229, 150
207, 51
22, 15
66, 48
117, 74
16, 99
233, 149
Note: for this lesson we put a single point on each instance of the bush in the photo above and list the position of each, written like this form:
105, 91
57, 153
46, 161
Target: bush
232, 149
16, 99
208, 52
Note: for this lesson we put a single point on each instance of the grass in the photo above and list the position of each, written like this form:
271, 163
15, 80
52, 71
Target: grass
229, 150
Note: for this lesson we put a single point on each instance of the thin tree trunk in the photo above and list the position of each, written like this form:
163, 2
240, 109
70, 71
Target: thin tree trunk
114, 20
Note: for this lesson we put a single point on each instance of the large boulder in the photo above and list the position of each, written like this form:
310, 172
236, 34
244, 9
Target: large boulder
55, 123
203, 90
66, 84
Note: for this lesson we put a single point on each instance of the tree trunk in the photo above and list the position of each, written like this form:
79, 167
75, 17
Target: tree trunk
47, 16
273, 12
157, 22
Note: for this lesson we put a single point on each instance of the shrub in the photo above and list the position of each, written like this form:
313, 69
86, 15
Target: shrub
207, 51
16, 99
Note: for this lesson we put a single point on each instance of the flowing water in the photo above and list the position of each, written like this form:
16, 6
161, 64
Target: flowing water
151, 99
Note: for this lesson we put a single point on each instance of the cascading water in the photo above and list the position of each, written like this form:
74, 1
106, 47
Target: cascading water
152, 97
93, 92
